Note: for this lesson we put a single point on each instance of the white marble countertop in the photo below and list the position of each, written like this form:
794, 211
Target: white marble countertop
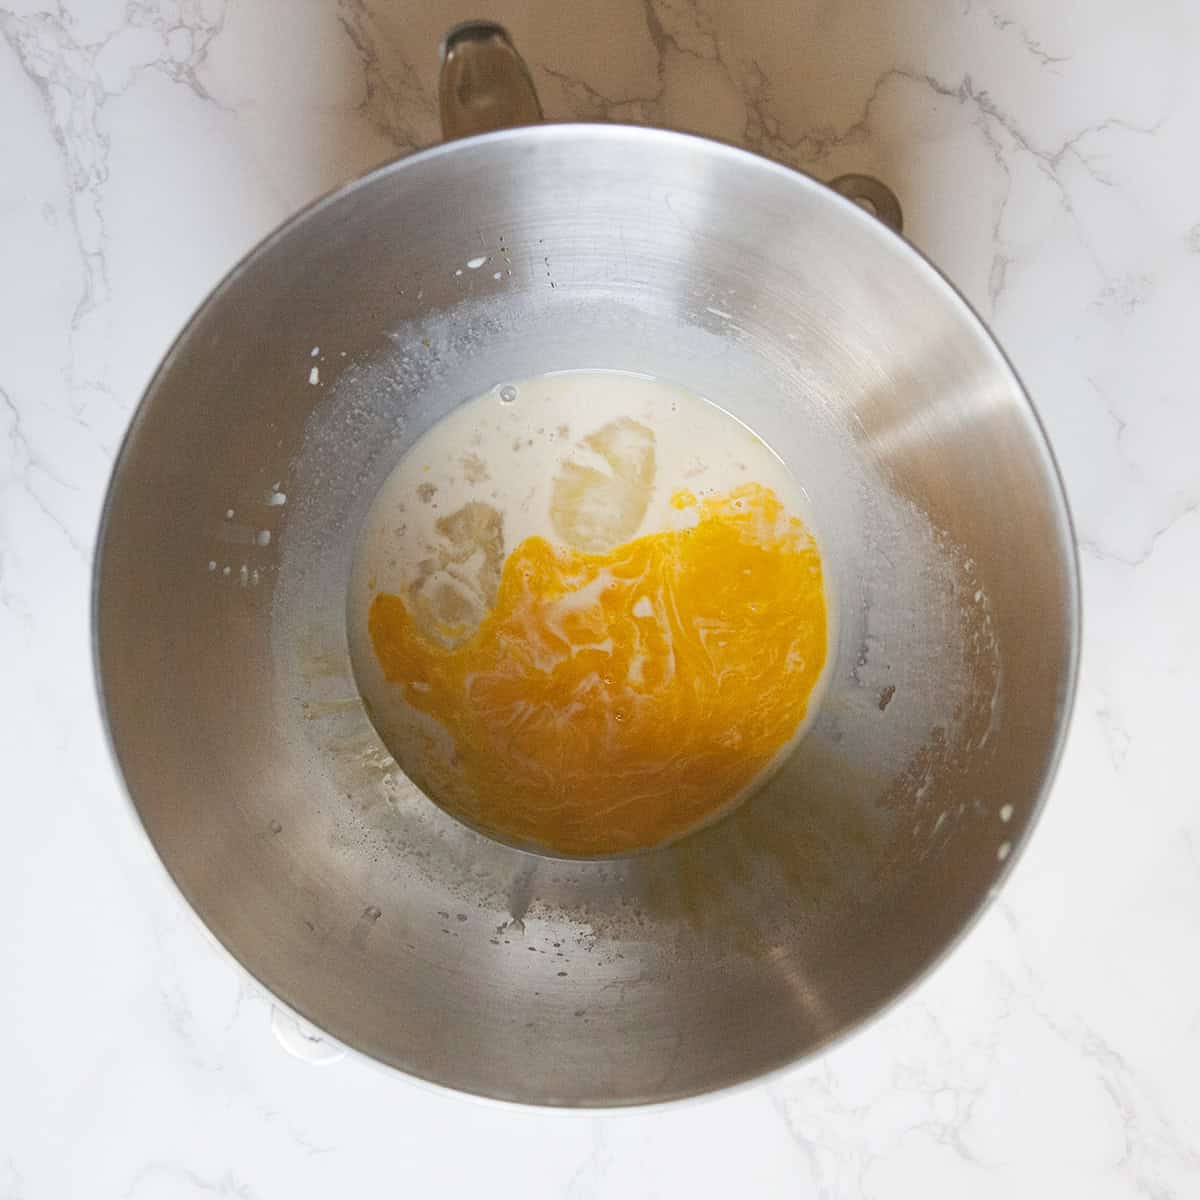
1046, 157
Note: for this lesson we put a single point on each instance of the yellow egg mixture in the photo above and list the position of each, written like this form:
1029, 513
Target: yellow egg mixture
585, 617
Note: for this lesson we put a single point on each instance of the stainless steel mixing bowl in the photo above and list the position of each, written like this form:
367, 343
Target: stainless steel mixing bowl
220, 609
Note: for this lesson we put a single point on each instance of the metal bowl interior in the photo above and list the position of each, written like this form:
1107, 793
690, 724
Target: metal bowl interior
231, 702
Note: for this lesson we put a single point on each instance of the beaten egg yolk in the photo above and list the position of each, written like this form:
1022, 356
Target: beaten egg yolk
612, 701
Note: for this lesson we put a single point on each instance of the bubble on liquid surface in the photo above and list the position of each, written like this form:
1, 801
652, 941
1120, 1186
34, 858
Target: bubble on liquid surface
508, 394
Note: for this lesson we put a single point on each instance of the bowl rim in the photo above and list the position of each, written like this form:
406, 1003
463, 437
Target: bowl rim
740, 158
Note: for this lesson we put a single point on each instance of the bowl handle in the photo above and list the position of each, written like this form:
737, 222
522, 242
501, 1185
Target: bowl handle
877, 198
485, 84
